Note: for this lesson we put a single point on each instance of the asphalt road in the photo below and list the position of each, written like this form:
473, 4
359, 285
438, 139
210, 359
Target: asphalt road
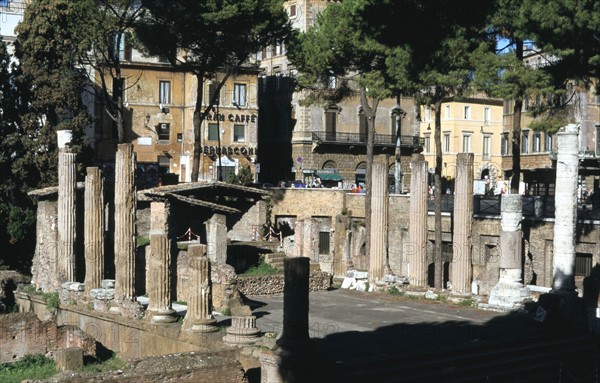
347, 324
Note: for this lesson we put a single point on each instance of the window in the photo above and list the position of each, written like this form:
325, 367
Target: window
324, 239
238, 133
548, 145
179, 137
118, 86
122, 46
467, 113
487, 115
164, 132
213, 132
525, 104
447, 112
362, 126
164, 92
427, 114
504, 144
278, 49
163, 164
466, 146
332, 82
293, 10
487, 144
330, 124
212, 89
426, 146
446, 142
525, 142
537, 143
239, 94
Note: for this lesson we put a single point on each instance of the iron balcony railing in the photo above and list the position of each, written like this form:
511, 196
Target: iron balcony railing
361, 139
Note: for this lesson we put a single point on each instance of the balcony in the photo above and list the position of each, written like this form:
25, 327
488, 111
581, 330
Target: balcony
361, 139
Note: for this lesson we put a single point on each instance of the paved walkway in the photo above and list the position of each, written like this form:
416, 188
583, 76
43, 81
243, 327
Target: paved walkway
346, 325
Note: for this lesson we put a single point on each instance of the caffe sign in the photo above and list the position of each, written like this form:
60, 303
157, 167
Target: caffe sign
229, 150
232, 117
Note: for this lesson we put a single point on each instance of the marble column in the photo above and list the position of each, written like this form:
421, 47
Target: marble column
463, 224
159, 290
311, 240
416, 247
379, 216
199, 311
509, 293
67, 189
125, 209
94, 229
295, 303
216, 238
298, 249
565, 222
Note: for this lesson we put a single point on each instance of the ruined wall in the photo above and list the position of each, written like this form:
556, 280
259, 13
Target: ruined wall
397, 223
273, 284
254, 217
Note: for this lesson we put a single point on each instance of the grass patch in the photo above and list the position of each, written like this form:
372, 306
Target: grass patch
468, 302
31, 367
181, 303
226, 312
394, 291
111, 364
442, 298
262, 268
52, 300
142, 240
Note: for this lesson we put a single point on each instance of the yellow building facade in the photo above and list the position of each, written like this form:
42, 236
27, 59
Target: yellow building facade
159, 105
470, 126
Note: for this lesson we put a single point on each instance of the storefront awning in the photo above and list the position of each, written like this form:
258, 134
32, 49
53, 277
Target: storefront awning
326, 176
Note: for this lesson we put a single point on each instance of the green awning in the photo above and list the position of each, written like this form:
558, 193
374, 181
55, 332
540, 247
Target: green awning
326, 176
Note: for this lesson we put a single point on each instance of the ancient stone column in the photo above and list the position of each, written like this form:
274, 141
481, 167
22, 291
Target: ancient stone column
125, 208
311, 239
565, 222
199, 310
216, 238
463, 223
295, 303
67, 189
44, 272
379, 209
94, 229
509, 292
298, 249
416, 247
159, 290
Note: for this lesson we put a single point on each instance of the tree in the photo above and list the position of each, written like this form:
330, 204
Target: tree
204, 37
47, 49
336, 46
440, 66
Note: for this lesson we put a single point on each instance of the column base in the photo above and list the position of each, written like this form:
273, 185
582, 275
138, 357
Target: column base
162, 316
241, 336
201, 325
508, 294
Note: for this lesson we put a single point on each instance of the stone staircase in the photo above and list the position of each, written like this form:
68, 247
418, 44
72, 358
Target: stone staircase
558, 358
275, 259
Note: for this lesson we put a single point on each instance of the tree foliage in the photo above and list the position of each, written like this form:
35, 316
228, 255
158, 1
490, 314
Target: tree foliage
206, 37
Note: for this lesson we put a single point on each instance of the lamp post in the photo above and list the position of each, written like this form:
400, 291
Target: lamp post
398, 168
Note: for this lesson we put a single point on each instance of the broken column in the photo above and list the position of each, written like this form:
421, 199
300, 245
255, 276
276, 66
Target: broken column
379, 209
463, 223
416, 248
298, 249
216, 238
509, 293
125, 207
243, 330
565, 222
67, 188
311, 239
159, 290
199, 310
94, 229
295, 302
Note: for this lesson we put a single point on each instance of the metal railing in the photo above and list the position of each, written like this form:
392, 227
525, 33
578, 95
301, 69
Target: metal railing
533, 206
361, 138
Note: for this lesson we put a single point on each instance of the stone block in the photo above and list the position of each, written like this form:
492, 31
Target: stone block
108, 283
348, 283
68, 359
